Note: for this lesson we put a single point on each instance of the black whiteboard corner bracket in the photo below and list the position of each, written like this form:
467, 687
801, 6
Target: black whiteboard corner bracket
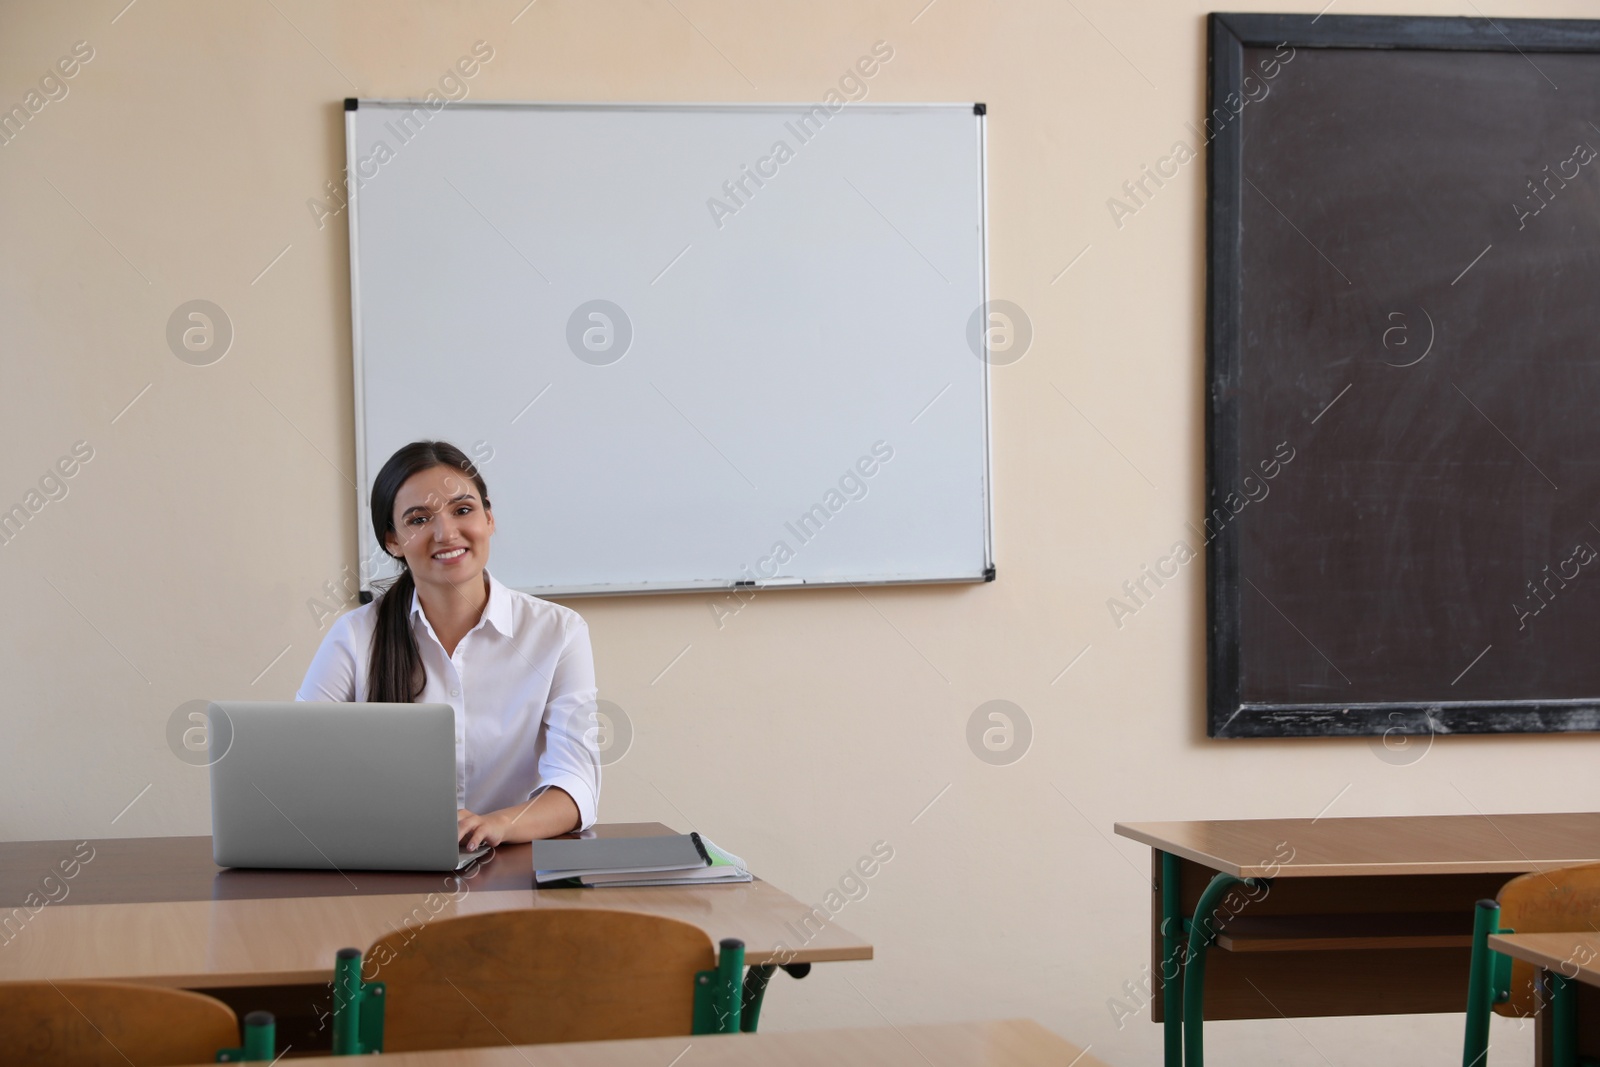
365, 596
988, 573
980, 109
351, 103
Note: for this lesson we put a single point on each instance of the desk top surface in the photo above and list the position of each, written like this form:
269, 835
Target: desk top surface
143, 870
283, 927
1574, 955
1004, 1043
1398, 845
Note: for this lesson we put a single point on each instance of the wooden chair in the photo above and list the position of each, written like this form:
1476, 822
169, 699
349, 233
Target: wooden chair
1541, 902
110, 1024
533, 976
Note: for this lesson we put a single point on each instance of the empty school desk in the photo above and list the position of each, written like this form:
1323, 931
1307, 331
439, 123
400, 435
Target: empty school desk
1343, 916
157, 910
1575, 958
1004, 1043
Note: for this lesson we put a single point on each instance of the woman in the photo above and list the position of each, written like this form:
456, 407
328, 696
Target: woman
517, 670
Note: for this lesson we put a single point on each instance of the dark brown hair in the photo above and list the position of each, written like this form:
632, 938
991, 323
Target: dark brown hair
396, 675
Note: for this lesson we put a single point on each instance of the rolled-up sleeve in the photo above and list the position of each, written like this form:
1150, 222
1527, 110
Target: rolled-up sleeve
570, 759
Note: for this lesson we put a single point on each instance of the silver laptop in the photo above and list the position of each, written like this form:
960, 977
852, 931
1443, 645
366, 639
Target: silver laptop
334, 786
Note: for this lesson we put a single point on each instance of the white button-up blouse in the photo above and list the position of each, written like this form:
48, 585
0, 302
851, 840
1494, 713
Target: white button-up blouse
522, 686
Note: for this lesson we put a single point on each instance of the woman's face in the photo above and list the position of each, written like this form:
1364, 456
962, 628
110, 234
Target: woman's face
442, 527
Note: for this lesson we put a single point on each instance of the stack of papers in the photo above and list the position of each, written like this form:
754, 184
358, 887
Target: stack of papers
681, 859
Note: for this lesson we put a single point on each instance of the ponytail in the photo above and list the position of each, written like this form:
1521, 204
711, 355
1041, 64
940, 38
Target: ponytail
396, 675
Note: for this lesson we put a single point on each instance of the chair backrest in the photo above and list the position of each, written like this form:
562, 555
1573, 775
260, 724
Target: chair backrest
110, 1024
538, 975
1540, 903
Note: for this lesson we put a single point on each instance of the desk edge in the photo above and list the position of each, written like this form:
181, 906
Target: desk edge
1135, 832
1512, 945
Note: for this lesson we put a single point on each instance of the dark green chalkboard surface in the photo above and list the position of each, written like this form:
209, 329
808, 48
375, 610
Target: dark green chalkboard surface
1404, 300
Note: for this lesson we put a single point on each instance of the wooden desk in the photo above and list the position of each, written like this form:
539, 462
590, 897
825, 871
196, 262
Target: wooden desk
266, 939
1575, 959
1007, 1043
1574, 955
1342, 916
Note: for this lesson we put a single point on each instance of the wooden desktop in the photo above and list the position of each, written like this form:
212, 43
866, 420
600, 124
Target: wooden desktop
157, 910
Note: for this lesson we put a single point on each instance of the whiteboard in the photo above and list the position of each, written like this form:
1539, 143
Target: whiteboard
683, 357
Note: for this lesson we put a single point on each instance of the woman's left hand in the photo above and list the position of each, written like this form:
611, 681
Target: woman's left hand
475, 831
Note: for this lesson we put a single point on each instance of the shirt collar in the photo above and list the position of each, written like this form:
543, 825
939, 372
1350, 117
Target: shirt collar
499, 608
497, 612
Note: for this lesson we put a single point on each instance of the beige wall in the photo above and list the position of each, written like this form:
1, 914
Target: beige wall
181, 561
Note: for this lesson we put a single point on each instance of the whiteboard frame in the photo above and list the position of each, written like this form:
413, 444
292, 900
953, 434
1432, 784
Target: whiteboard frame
364, 536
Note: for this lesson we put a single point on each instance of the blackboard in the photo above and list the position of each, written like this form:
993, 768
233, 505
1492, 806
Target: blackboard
1403, 370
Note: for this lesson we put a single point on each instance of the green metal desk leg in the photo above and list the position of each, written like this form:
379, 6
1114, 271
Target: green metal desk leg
1201, 934
1171, 961
755, 988
1563, 1022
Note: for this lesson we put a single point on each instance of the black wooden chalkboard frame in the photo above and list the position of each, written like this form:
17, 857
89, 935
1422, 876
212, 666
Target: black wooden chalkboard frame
1230, 34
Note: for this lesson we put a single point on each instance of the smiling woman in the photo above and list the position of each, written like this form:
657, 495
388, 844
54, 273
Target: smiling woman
527, 765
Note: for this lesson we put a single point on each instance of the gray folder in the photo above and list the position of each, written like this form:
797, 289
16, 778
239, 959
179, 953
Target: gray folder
572, 858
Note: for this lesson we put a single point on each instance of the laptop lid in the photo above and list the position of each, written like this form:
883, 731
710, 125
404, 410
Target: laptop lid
333, 786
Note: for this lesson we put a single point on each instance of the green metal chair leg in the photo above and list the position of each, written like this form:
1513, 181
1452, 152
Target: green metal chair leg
1563, 1022
260, 1037
1202, 933
1480, 984
260, 1040
1171, 962
346, 1002
730, 968
358, 1007
718, 993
